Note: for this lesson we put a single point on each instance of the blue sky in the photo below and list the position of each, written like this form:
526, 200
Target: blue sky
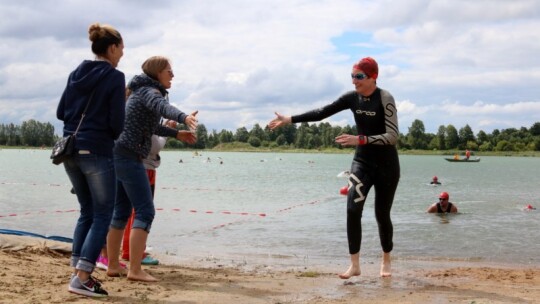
445, 62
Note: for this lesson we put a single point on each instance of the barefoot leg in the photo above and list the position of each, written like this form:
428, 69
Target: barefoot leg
386, 269
137, 244
114, 237
354, 269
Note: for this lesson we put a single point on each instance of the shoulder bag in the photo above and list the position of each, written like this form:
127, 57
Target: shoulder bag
64, 148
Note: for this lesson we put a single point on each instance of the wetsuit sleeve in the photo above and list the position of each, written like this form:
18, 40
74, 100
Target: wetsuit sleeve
390, 137
165, 132
159, 104
322, 113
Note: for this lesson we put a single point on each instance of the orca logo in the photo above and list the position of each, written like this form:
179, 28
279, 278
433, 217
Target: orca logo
368, 113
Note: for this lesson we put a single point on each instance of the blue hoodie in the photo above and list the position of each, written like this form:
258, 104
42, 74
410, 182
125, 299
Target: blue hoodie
104, 119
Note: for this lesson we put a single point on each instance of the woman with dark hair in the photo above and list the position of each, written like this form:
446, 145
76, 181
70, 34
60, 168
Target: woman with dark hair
146, 105
98, 84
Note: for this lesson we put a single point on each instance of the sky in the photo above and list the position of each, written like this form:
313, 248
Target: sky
459, 62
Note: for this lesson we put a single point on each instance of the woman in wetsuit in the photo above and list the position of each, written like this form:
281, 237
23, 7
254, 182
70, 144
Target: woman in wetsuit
375, 162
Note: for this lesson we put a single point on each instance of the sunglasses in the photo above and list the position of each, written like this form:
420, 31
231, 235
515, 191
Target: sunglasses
359, 76
442, 199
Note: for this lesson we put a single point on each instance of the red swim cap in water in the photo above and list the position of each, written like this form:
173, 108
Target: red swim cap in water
444, 195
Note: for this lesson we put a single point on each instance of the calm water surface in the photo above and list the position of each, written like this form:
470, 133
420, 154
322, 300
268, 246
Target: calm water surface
213, 213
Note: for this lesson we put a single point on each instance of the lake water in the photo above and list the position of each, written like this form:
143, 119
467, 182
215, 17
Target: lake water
285, 210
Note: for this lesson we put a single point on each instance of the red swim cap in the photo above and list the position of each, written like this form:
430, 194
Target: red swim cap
444, 195
435, 178
369, 66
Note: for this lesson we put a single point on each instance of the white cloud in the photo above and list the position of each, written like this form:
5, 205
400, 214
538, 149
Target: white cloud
446, 62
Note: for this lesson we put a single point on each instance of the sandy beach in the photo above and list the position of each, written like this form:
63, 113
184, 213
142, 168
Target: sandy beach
37, 271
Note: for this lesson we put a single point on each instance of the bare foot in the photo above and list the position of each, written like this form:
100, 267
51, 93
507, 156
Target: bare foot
141, 276
386, 268
116, 272
351, 272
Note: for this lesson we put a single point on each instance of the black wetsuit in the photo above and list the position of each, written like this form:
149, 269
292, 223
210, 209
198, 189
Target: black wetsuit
448, 208
375, 163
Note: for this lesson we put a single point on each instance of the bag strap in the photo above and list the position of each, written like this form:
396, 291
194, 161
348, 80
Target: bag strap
84, 112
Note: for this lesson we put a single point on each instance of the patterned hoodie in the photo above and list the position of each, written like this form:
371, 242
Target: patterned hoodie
146, 105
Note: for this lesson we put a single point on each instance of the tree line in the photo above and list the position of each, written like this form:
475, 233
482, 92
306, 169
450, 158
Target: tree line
30, 133
311, 136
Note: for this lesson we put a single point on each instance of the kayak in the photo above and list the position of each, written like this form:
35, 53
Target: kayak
463, 160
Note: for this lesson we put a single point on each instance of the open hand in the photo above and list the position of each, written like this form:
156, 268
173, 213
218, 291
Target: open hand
191, 121
186, 136
279, 121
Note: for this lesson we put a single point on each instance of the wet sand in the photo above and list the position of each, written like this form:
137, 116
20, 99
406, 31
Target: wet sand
36, 271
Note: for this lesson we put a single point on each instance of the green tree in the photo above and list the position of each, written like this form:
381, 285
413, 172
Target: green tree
213, 139
225, 136
3, 136
30, 133
504, 145
417, 137
482, 137
241, 135
202, 137
254, 141
441, 138
280, 140
402, 142
258, 132
302, 133
535, 145
535, 129
452, 138
465, 135
314, 141
471, 145
486, 146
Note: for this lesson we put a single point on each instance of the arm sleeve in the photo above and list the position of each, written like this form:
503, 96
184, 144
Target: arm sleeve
390, 137
62, 103
322, 113
118, 105
60, 108
159, 104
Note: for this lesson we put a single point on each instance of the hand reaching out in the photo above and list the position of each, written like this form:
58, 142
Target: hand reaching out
186, 136
191, 121
279, 121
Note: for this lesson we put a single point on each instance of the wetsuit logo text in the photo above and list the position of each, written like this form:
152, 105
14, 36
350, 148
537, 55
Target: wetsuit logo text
368, 113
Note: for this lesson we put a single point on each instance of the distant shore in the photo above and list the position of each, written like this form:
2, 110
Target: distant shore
225, 148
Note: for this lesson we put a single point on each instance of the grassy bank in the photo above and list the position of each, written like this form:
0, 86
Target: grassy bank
244, 147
